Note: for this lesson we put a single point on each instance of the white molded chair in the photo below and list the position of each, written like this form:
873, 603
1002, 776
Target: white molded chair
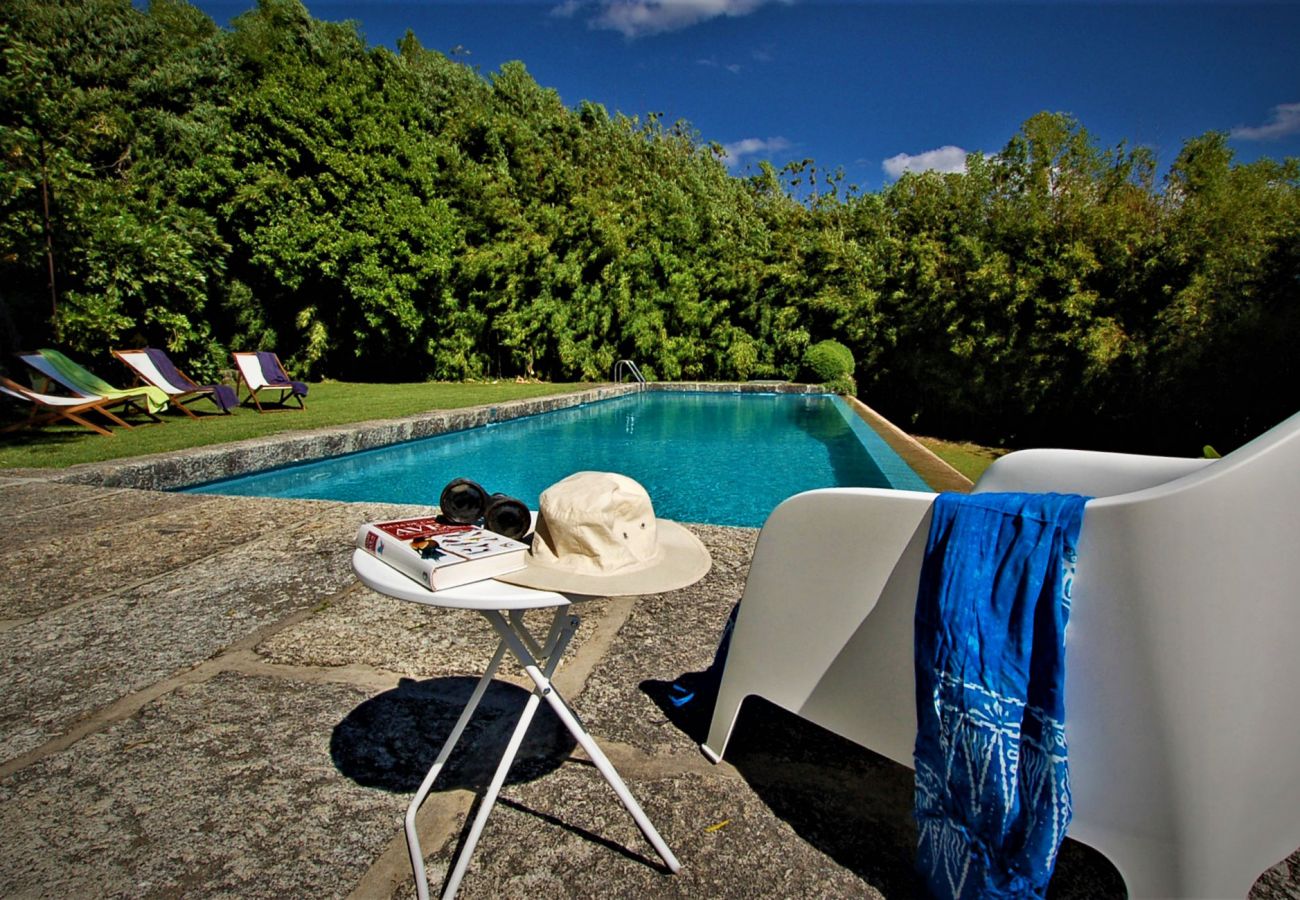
1182, 651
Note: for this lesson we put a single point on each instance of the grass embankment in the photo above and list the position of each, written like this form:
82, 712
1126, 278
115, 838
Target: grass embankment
328, 403
969, 459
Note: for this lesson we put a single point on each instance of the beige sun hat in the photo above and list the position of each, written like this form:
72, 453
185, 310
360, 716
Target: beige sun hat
597, 535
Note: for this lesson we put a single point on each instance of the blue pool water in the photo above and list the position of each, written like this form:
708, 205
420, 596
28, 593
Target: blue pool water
721, 459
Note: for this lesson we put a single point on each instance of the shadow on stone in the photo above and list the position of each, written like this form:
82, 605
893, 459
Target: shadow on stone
390, 741
584, 834
848, 802
856, 806
687, 701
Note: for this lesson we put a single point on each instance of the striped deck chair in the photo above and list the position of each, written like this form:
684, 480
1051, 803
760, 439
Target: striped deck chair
55, 368
261, 371
47, 408
153, 367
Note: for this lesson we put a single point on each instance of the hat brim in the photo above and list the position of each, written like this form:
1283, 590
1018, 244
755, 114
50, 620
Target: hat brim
683, 561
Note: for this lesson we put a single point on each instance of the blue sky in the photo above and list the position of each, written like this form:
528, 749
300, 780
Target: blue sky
875, 88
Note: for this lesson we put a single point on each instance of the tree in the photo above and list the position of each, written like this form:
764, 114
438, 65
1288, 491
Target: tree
379, 214
120, 254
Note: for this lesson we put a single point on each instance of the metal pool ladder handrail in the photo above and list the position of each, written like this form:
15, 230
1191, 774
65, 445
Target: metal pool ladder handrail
626, 366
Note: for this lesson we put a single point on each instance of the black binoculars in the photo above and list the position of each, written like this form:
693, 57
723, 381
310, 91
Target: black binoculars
464, 502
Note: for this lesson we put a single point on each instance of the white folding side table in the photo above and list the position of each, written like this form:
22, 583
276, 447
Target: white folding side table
503, 605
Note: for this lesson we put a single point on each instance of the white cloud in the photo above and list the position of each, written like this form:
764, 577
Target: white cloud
945, 159
639, 18
733, 68
738, 150
566, 9
1286, 120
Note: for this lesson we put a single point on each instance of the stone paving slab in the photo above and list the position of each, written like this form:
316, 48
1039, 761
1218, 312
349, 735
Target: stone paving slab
128, 552
40, 491
83, 656
370, 629
32, 511
225, 789
247, 721
567, 836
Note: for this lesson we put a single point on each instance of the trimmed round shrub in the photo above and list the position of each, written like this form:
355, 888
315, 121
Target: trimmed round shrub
830, 364
827, 361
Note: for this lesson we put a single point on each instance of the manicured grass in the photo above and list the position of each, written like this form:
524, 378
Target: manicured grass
969, 459
328, 403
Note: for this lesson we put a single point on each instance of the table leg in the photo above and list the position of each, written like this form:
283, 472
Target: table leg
490, 797
540, 662
547, 692
412, 836
562, 628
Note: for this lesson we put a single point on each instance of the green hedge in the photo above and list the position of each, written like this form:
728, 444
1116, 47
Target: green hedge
371, 213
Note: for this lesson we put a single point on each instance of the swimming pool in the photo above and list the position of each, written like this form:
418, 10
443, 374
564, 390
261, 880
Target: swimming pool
716, 458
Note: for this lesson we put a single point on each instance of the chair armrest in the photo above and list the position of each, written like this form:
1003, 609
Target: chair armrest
1088, 472
825, 563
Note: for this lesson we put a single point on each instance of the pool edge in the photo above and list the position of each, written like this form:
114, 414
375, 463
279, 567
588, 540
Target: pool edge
178, 469
923, 461
184, 468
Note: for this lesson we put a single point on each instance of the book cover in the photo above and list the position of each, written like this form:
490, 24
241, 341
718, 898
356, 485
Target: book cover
439, 555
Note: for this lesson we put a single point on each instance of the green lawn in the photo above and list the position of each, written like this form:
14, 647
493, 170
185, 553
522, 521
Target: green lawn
328, 403
969, 459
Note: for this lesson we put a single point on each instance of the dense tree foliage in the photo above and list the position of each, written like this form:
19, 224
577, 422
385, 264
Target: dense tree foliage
396, 215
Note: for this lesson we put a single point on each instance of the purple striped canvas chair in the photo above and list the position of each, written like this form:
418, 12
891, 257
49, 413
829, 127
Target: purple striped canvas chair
154, 368
261, 371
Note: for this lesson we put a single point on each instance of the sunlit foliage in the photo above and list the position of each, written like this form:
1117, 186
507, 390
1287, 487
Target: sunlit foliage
376, 214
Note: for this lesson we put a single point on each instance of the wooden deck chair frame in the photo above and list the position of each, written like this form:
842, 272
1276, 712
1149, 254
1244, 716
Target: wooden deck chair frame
50, 408
146, 374
49, 376
250, 374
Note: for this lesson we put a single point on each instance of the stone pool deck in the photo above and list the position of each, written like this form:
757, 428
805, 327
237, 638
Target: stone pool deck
198, 699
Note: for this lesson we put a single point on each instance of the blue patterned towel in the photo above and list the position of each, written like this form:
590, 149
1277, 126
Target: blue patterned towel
992, 781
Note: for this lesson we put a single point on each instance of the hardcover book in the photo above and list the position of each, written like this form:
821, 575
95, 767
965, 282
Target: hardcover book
439, 555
